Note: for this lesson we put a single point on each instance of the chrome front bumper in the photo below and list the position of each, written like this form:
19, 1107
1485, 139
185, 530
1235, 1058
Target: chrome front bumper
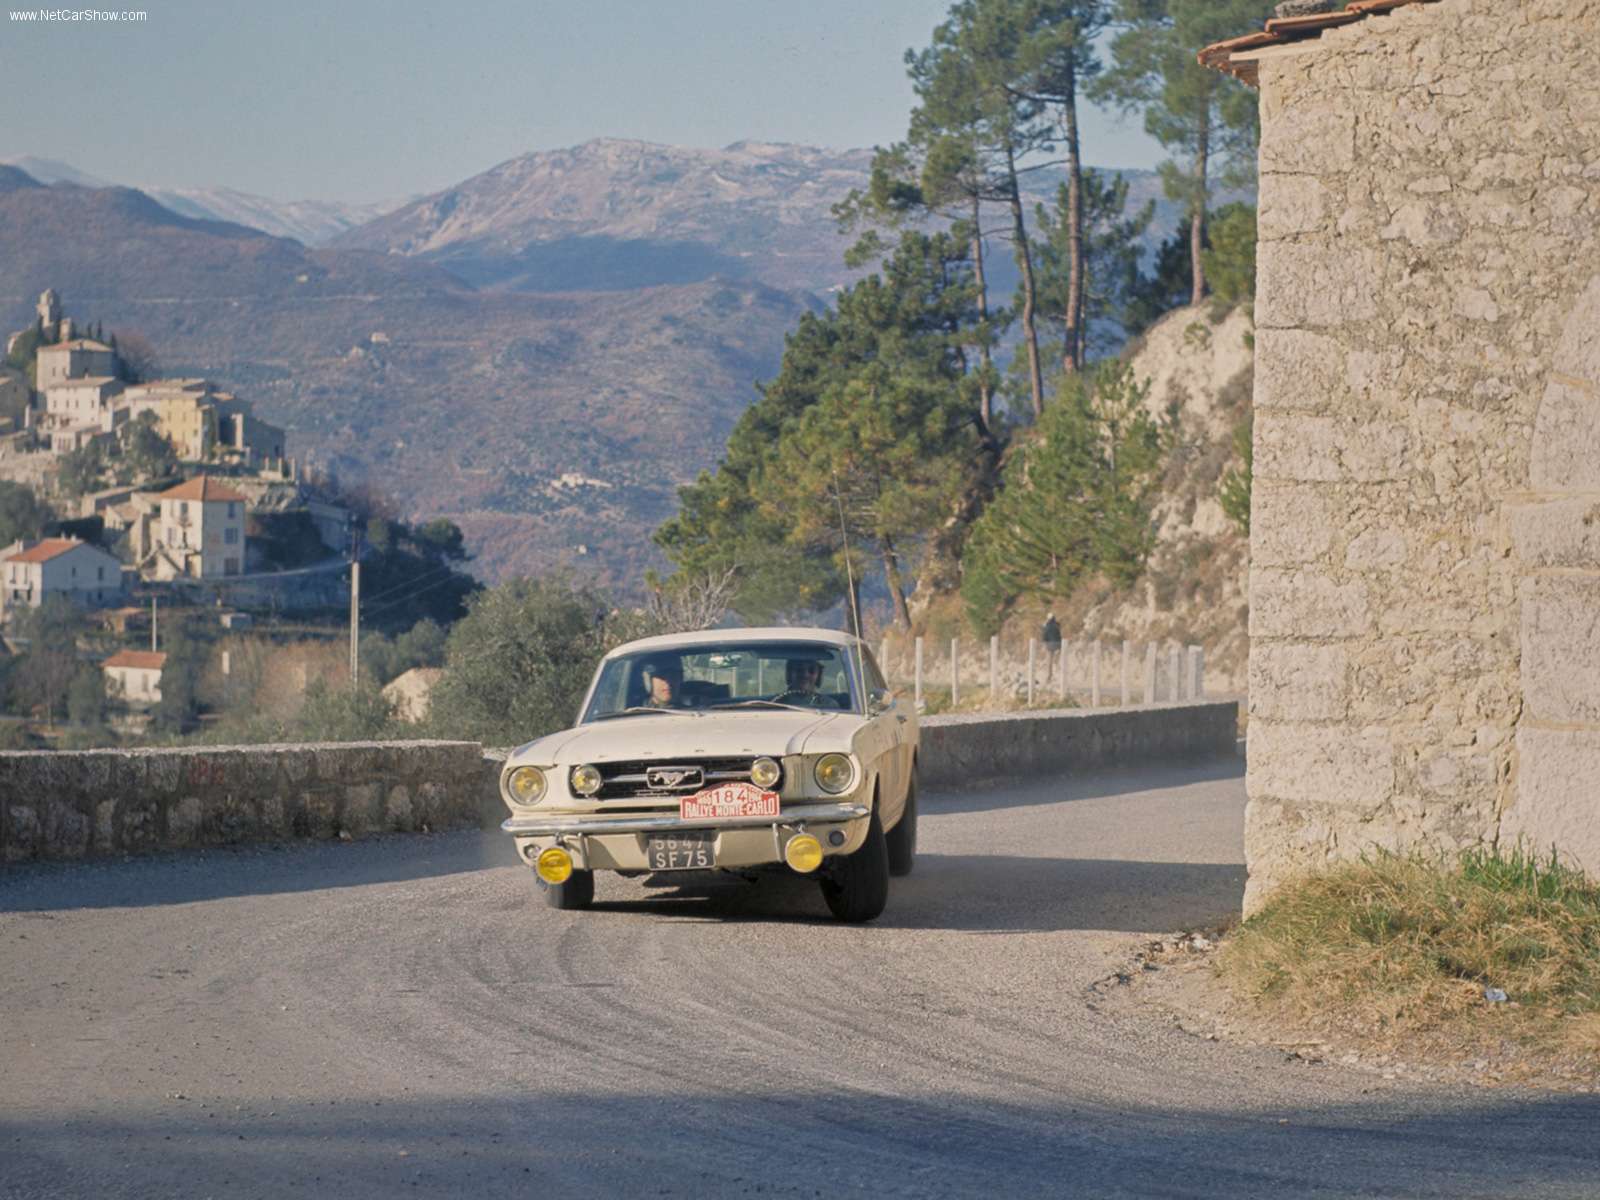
590, 824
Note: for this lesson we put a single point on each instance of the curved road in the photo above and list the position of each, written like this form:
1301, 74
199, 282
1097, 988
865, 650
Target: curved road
402, 1016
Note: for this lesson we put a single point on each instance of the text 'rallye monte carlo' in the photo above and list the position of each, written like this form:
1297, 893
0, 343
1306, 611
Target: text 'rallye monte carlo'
725, 750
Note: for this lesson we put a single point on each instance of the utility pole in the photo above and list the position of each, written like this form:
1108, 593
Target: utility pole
153, 623
355, 621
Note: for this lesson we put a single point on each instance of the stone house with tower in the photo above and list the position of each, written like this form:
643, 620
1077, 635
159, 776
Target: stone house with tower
1425, 520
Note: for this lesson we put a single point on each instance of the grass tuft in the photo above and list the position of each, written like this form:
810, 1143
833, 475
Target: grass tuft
1395, 946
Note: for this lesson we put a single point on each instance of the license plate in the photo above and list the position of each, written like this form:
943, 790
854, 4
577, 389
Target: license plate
728, 800
680, 852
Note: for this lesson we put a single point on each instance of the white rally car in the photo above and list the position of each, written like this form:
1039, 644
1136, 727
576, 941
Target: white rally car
725, 750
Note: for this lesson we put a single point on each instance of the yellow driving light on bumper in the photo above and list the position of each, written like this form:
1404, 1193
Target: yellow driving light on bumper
803, 853
554, 865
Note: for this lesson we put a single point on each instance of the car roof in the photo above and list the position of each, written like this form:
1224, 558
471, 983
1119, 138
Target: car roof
735, 637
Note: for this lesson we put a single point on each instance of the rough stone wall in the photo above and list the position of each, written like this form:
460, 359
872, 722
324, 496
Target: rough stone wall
77, 804
1425, 552
958, 750
97, 802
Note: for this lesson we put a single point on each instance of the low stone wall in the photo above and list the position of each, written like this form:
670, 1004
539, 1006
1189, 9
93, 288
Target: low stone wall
96, 802
74, 804
960, 750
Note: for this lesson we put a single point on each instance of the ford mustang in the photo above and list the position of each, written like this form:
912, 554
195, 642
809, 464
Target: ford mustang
725, 750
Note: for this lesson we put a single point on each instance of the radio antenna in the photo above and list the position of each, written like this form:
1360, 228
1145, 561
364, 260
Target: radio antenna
850, 581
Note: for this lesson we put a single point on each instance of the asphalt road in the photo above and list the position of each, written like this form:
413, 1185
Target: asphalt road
403, 1016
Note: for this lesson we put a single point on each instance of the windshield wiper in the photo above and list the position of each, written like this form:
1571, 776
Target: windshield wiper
642, 708
761, 704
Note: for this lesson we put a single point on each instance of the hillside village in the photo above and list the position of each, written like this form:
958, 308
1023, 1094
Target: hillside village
165, 492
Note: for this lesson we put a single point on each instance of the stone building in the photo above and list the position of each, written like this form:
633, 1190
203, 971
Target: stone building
1425, 528
80, 358
200, 533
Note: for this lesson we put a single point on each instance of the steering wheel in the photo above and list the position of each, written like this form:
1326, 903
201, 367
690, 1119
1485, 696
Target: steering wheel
805, 699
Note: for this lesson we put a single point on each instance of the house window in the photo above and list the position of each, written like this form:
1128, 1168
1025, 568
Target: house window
231, 535
233, 510
100, 573
230, 566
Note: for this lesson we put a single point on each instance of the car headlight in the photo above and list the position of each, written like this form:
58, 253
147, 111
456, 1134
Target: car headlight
765, 773
586, 780
525, 785
834, 773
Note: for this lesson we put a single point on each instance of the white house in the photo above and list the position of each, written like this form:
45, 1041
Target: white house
135, 675
200, 533
84, 574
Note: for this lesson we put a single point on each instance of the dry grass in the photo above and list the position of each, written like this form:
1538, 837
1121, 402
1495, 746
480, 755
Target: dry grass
1393, 949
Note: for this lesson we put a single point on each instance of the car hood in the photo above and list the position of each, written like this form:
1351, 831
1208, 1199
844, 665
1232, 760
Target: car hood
692, 735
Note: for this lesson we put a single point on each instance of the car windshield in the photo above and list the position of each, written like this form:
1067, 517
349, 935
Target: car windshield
746, 676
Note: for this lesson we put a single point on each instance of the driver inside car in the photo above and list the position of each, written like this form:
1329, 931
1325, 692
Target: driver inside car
803, 680
665, 681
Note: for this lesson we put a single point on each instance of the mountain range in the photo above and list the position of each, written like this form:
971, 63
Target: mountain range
543, 352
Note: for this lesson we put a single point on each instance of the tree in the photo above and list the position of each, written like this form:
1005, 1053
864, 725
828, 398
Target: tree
441, 538
149, 455
690, 601
137, 356
1076, 500
977, 132
22, 514
80, 470
1235, 491
1199, 114
517, 665
1110, 260
178, 710
869, 409
86, 702
1057, 61
51, 660
1230, 260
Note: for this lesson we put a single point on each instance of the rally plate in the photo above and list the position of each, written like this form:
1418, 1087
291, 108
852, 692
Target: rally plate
728, 800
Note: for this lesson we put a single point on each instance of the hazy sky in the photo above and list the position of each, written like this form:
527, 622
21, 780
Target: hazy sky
360, 100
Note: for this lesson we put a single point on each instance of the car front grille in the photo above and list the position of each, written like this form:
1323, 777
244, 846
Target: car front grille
652, 779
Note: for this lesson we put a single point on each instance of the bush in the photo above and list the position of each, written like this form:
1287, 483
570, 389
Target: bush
517, 665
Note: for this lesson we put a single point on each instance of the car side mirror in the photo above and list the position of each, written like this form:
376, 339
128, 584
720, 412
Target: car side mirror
879, 700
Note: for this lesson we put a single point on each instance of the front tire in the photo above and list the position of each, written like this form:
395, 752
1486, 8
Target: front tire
856, 886
577, 892
902, 839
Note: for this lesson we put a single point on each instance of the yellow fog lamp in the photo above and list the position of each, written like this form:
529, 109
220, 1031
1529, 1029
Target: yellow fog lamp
586, 780
803, 853
834, 773
765, 773
554, 865
525, 785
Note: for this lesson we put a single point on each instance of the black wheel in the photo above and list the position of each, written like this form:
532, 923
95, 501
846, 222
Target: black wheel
577, 892
856, 886
902, 839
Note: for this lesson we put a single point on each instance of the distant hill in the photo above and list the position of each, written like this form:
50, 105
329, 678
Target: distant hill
541, 423
613, 213
312, 222
596, 314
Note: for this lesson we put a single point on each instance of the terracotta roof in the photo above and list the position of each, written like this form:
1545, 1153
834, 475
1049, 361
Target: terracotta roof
148, 660
1281, 31
201, 487
46, 550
